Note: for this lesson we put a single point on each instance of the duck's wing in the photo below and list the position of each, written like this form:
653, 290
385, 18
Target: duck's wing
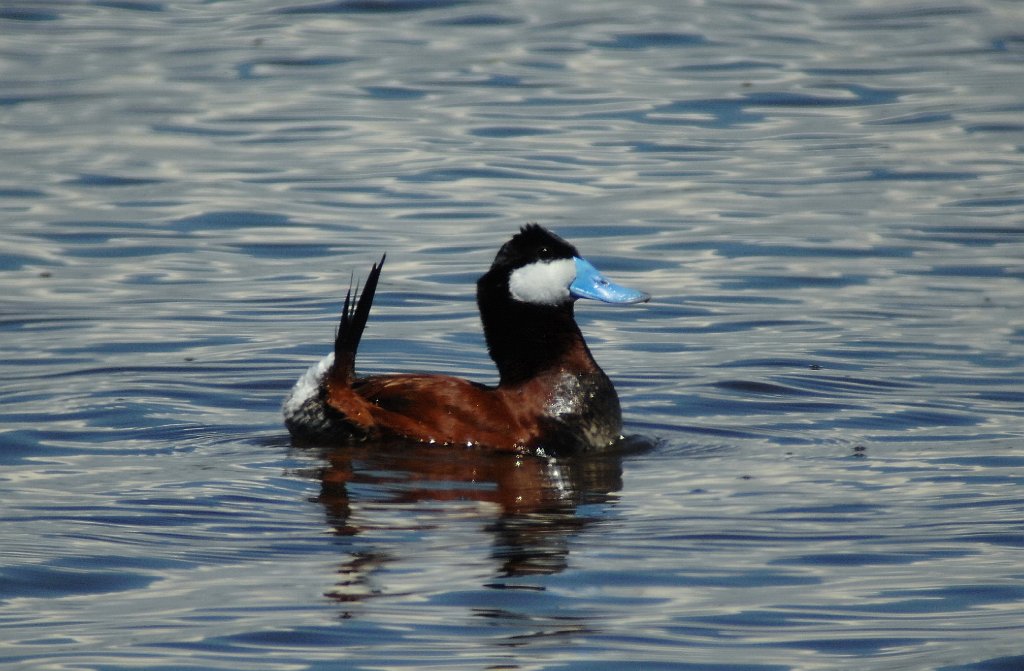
438, 409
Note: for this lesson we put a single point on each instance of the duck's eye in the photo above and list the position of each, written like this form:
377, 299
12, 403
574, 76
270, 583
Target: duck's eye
544, 253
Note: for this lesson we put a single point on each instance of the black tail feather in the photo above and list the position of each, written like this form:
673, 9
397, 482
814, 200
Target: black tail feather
353, 322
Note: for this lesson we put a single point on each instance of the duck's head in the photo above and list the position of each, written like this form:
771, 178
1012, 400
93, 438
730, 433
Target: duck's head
540, 268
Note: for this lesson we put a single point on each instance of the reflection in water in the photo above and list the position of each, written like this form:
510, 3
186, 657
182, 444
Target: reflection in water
536, 499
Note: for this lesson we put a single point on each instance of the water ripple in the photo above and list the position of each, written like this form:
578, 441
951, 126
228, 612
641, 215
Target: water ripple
823, 399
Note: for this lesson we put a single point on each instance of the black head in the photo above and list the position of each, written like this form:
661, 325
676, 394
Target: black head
533, 243
535, 267
526, 301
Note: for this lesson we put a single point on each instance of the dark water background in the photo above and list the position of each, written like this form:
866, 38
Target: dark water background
826, 199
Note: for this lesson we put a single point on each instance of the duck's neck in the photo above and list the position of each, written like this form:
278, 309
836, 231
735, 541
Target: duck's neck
527, 341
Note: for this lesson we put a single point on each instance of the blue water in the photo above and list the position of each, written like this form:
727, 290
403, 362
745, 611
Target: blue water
825, 200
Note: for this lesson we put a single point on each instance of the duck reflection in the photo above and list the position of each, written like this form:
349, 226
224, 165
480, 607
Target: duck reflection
535, 499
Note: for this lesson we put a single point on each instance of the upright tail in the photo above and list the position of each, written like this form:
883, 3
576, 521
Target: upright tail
353, 322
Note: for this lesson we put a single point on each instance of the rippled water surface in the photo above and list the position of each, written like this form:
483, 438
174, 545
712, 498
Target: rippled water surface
826, 394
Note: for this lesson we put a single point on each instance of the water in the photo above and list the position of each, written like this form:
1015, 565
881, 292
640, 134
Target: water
824, 198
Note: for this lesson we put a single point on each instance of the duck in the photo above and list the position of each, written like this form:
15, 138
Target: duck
551, 397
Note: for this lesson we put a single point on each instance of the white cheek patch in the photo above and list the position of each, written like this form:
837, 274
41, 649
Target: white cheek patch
543, 282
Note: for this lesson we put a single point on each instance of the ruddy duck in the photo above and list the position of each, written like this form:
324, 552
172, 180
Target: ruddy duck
551, 397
